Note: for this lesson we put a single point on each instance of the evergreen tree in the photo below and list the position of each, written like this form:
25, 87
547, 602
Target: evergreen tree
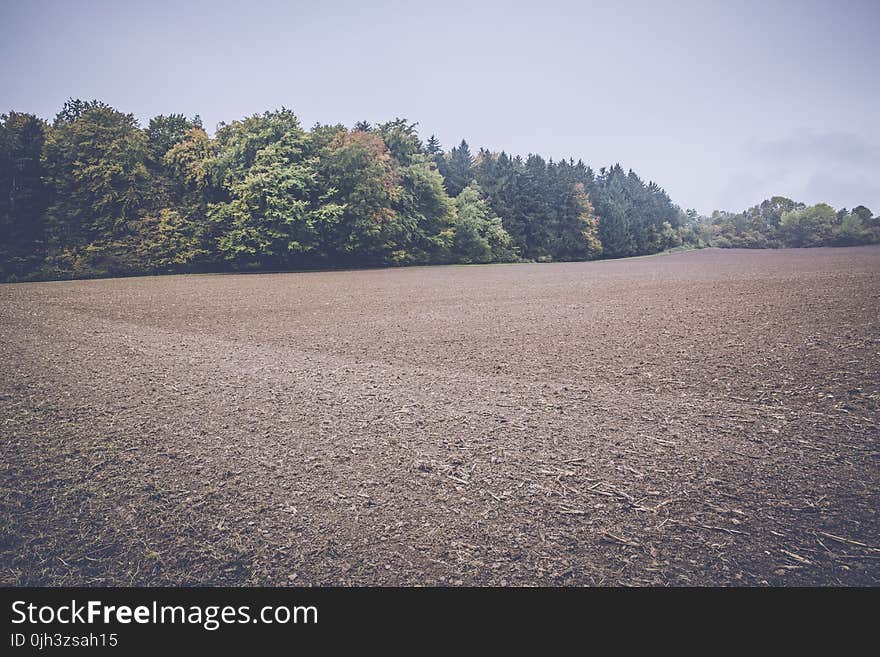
22, 194
459, 168
94, 194
432, 147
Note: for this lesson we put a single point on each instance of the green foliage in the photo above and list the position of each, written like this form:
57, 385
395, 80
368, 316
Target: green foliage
634, 215
164, 132
239, 142
850, 231
478, 235
424, 211
546, 207
584, 242
94, 194
187, 165
95, 160
458, 168
780, 222
433, 148
272, 210
170, 242
360, 177
810, 226
401, 139
22, 195
866, 216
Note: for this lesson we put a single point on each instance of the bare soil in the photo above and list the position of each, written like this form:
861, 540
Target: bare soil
701, 418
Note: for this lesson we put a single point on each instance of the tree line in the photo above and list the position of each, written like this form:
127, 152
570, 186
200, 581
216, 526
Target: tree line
780, 222
95, 194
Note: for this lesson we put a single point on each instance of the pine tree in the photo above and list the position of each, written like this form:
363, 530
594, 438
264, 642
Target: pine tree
433, 148
459, 169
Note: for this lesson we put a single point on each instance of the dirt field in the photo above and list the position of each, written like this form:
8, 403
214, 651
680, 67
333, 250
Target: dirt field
701, 418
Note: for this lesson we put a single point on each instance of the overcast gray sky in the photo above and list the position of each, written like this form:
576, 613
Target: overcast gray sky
721, 103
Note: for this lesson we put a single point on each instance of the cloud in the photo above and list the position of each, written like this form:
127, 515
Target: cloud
829, 148
842, 190
840, 168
